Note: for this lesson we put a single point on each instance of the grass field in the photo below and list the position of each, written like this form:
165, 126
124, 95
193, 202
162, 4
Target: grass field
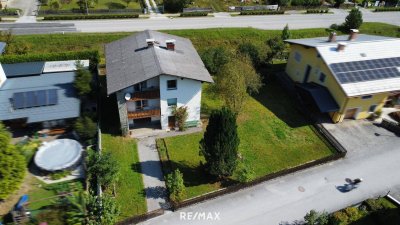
129, 188
43, 196
101, 4
273, 137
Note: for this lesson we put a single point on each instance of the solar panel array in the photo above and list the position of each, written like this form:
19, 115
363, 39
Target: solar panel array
31, 99
367, 70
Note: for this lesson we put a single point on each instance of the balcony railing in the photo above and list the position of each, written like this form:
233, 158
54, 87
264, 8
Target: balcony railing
143, 95
144, 113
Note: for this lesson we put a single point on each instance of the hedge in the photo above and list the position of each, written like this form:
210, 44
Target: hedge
193, 14
92, 55
311, 11
91, 17
387, 9
264, 12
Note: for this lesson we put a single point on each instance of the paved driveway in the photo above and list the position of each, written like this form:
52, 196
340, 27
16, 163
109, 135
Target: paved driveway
374, 155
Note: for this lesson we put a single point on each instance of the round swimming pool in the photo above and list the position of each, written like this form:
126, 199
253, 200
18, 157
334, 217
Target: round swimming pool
58, 154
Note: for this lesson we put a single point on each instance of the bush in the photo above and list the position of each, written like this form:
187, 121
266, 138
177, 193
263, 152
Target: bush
214, 59
12, 165
311, 11
59, 175
387, 9
176, 186
83, 80
91, 17
353, 21
193, 14
250, 50
92, 55
104, 167
261, 12
181, 116
85, 127
174, 6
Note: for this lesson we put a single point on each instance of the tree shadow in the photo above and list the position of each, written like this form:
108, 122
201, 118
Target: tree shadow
115, 5
155, 192
383, 216
274, 97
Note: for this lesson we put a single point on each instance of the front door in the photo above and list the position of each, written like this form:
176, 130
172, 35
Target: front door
307, 74
351, 113
171, 122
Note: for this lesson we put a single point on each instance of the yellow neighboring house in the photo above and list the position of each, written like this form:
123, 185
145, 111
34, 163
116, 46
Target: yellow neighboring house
349, 77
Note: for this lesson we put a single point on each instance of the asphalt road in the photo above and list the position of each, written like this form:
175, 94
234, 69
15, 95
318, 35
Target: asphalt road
373, 155
295, 21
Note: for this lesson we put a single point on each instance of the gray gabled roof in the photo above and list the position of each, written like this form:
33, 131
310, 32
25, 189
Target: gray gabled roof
129, 60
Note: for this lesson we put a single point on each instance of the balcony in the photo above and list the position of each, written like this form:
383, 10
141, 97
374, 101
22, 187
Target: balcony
144, 113
144, 95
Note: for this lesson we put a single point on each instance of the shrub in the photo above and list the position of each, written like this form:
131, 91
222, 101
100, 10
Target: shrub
311, 11
193, 14
92, 55
245, 173
174, 6
12, 165
176, 186
91, 17
181, 116
83, 80
353, 21
387, 9
104, 167
250, 50
220, 143
85, 127
261, 12
59, 175
214, 59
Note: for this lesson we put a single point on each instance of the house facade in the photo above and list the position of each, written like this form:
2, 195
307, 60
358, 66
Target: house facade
40, 93
151, 73
349, 77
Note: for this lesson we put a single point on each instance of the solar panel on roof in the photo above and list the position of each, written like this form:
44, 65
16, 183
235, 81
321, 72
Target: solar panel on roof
31, 99
52, 96
367, 70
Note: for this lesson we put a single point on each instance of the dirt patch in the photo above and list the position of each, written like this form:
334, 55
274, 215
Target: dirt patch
26, 186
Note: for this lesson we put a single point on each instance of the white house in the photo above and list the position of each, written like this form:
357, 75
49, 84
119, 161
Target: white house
151, 73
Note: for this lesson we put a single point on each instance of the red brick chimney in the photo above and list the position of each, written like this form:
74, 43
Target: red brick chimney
353, 34
170, 44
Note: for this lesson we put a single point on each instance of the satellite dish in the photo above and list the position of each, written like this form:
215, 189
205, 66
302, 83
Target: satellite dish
127, 96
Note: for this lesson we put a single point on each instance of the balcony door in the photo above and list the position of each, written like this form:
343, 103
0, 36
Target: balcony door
307, 74
141, 104
140, 86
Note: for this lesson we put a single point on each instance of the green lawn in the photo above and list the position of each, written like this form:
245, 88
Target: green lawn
273, 137
43, 196
101, 4
129, 188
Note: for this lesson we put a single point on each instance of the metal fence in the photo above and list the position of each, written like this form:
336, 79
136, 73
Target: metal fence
254, 8
197, 9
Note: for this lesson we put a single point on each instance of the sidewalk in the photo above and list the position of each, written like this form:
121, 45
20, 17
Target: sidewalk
153, 178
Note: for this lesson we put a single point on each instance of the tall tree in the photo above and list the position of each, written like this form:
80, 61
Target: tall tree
276, 47
85, 127
174, 6
220, 143
12, 165
236, 80
354, 20
214, 59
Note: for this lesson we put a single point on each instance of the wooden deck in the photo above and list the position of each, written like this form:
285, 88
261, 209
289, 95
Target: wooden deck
144, 95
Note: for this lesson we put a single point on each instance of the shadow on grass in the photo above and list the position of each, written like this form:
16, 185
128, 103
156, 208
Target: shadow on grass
115, 5
274, 97
383, 216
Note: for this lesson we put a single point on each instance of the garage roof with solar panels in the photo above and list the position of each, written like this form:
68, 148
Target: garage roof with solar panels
39, 91
367, 65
